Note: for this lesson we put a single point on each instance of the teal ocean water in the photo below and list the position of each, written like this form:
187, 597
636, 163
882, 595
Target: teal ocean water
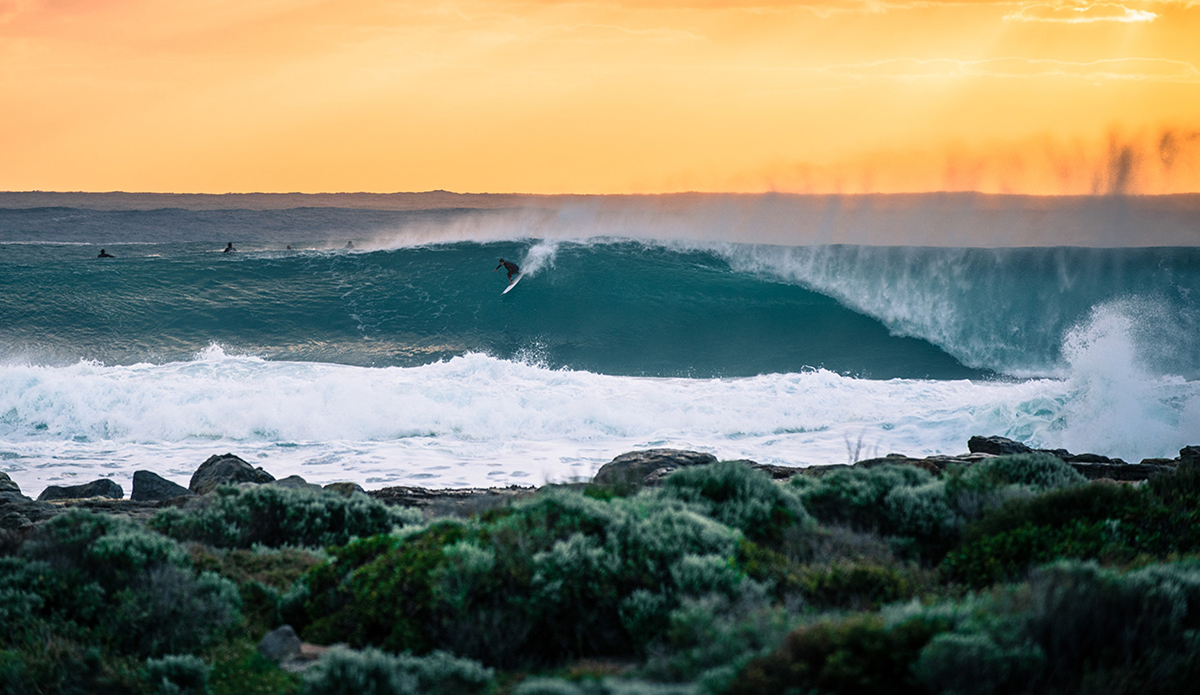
398, 361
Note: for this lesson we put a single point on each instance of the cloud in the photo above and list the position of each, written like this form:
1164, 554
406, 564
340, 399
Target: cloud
1080, 13
1147, 69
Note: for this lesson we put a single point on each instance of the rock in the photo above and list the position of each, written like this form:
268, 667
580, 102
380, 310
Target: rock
1189, 453
97, 488
999, 446
225, 470
17, 510
281, 644
152, 487
345, 489
451, 502
634, 467
295, 482
8, 485
934, 464
13, 520
1120, 471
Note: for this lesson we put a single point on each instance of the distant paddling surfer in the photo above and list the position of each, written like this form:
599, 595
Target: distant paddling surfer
229, 248
105, 254
510, 267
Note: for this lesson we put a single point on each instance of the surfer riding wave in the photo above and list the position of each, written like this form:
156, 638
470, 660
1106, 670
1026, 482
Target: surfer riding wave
510, 267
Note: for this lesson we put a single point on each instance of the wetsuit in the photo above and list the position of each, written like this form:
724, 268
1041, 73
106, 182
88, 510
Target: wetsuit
510, 267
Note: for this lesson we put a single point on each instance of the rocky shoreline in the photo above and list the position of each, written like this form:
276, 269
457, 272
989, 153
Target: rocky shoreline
647, 468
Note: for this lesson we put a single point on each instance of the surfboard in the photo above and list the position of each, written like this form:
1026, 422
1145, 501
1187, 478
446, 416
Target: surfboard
513, 283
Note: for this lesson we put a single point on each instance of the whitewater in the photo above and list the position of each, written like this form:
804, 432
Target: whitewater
398, 362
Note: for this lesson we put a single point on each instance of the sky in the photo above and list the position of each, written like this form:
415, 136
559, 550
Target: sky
608, 96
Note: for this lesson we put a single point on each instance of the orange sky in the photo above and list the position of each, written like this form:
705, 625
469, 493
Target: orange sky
600, 97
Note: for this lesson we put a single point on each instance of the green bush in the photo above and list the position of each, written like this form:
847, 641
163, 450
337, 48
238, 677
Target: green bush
378, 591
176, 674
860, 654
604, 686
710, 639
738, 496
130, 587
372, 672
1010, 555
974, 664
1089, 503
924, 513
273, 516
855, 586
555, 576
1038, 472
854, 496
1091, 617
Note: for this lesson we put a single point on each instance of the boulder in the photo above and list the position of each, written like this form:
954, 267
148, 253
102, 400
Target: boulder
295, 482
8, 485
462, 502
345, 489
281, 644
1189, 453
152, 487
13, 520
1119, 471
97, 488
225, 470
635, 467
998, 446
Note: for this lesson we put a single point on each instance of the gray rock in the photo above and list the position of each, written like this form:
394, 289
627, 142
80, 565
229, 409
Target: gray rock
281, 644
999, 446
225, 470
634, 467
463, 502
1120, 471
345, 489
13, 520
295, 482
7, 484
1189, 453
97, 488
152, 487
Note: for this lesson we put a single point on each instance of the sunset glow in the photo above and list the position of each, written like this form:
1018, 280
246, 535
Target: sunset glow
609, 96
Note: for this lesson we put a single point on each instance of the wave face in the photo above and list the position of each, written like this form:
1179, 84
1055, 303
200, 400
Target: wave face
608, 306
400, 362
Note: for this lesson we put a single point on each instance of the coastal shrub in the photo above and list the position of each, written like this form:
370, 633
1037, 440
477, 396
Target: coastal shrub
854, 496
1181, 486
974, 664
1010, 555
856, 586
273, 516
1083, 614
924, 514
1073, 627
1038, 472
738, 496
126, 586
974, 490
1088, 503
605, 686
238, 668
177, 674
712, 638
372, 672
1100, 520
555, 576
171, 609
858, 654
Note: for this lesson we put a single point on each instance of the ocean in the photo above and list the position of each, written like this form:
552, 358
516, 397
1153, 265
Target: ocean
398, 362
